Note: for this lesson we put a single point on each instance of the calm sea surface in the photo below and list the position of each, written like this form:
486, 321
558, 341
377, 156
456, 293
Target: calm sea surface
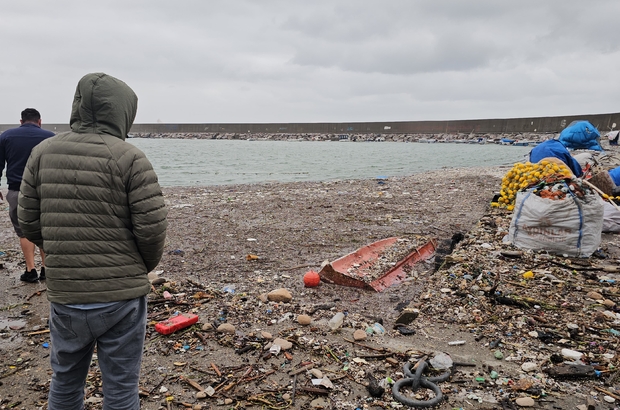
221, 162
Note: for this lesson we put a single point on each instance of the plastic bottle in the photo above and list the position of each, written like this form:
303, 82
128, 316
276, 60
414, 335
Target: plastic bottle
378, 329
336, 321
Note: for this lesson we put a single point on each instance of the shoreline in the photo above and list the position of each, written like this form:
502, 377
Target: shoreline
520, 139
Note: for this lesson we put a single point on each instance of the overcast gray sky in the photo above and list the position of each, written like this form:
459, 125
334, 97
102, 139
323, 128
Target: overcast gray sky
316, 61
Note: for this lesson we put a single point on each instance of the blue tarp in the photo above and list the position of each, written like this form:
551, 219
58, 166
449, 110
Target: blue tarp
615, 175
554, 148
581, 135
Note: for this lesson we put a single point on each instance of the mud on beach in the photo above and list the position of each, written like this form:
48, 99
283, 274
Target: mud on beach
227, 246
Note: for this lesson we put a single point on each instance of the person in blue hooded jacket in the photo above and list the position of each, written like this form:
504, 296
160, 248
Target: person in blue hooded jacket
555, 148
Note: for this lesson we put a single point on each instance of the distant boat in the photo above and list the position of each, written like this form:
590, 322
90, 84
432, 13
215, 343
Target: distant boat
506, 141
522, 143
427, 140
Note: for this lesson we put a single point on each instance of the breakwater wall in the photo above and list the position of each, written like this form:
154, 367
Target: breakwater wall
540, 125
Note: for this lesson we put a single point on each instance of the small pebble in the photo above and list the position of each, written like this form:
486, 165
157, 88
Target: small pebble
529, 367
359, 334
226, 328
525, 402
280, 295
304, 320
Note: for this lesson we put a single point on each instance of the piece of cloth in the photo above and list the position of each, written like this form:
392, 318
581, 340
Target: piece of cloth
554, 148
11, 198
117, 331
15, 147
92, 201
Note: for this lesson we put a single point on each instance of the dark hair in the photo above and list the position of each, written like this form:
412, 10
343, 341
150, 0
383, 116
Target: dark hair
30, 115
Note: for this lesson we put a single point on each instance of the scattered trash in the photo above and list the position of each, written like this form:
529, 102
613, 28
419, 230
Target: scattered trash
336, 321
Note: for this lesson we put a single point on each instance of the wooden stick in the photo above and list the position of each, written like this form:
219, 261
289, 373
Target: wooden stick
37, 293
192, 383
38, 332
216, 369
607, 392
301, 370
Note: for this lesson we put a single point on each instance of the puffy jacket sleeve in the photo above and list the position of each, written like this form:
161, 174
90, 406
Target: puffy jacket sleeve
148, 211
29, 203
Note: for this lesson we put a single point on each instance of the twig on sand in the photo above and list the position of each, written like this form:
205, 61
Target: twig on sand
37, 293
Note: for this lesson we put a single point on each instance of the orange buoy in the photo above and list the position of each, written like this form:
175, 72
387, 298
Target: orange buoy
311, 279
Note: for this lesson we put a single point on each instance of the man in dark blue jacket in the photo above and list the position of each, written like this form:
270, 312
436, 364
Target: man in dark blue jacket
15, 147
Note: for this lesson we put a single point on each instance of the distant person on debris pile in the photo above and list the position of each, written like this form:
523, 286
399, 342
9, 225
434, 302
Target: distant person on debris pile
554, 148
93, 202
15, 147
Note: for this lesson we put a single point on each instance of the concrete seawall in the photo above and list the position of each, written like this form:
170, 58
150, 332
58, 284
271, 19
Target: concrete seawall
603, 122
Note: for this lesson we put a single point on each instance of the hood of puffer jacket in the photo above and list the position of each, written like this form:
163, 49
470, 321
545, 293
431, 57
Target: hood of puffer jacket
103, 105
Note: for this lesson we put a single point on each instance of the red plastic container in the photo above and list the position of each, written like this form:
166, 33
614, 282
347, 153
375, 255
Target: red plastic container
175, 323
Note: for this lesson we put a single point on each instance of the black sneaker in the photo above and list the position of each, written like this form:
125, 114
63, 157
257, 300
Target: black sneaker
30, 277
42, 275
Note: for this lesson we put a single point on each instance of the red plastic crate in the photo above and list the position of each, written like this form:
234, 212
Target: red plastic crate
175, 323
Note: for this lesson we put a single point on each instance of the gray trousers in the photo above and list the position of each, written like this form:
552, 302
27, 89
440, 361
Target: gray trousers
118, 333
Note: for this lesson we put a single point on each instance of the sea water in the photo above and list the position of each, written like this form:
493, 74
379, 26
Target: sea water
196, 162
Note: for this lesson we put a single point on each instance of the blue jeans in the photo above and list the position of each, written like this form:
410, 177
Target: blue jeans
118, 332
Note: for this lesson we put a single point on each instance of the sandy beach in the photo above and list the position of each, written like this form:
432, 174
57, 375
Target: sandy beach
228, 246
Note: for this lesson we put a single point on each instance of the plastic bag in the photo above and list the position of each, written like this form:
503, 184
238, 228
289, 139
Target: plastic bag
611, 219
571, 226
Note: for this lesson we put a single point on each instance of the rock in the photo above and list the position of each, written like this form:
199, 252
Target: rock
525, 402
158, 281
201, 394
529, 367
609, 399
304, 320
594, 295
226, 328
407, 316
320, 403
207, 327
283, 343
359, 334
266, 335
286, 396
197, 407
263, 298
280, 295
316, 373
609, 303
228, 401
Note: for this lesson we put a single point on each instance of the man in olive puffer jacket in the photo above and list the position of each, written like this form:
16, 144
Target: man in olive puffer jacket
92, 202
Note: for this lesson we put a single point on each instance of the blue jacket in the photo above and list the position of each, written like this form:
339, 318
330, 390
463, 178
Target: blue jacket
15, 147
554, 148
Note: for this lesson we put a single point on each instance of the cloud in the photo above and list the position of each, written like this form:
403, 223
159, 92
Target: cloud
295, 61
